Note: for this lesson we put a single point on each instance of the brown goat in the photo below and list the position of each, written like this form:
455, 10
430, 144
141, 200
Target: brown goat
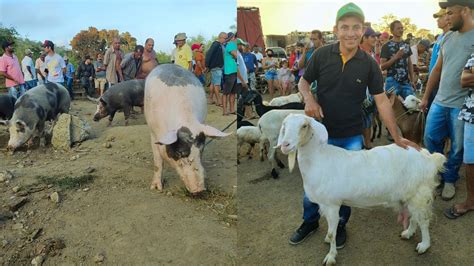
411, 123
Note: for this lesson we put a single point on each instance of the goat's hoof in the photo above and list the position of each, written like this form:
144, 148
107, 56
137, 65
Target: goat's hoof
406, 235
329, 260
274, 174
422, 248
327, 240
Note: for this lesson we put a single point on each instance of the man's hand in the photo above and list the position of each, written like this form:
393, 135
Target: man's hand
405, 143
399, 54
313, 109
423, 104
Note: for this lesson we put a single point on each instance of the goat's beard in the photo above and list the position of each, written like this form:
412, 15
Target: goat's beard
291, 160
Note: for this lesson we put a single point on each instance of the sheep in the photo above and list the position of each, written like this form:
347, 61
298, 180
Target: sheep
250, 135
411, 122
292, 98
411, 102
243, 123
386, 176
255, 98
269, 125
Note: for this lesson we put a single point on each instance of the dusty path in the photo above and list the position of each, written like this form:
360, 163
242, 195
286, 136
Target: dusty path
118, 215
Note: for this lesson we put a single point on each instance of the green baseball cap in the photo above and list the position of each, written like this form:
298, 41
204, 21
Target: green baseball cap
350, 9
240, 41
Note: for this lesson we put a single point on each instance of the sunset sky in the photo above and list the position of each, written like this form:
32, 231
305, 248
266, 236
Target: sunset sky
284, 16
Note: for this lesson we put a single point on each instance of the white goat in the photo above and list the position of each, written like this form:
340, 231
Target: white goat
269, 125
292, 98
411, 102
250, 135
387, 176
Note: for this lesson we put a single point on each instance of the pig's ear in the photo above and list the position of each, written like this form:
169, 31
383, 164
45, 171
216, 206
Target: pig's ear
213, 132
102, 101
169, 138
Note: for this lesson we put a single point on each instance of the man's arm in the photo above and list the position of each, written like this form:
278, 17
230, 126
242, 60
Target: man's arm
386, 64
411, 73
386, 113
433, 81
302, 60
311, 108
4, 73
467, 78
118, 69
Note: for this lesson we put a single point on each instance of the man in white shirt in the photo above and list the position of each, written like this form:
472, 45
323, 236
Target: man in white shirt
54, 63
417, 50
28, 69
259, 56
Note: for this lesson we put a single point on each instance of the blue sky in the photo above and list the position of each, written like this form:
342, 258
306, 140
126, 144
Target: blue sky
60, 21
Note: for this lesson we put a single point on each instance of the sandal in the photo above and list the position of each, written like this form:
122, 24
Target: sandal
452, 213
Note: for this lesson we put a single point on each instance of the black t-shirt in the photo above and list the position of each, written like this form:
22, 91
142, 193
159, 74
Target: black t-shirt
399, 69
342, 88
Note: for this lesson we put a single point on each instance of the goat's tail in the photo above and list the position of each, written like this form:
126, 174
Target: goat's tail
439, 160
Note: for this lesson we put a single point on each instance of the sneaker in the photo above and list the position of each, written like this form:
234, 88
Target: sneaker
448, 191
305, 230
341, 236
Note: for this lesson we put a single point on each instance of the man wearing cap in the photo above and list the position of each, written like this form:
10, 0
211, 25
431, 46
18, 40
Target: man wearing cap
417, 50
184, 55
148, 61
442, 22
230, 74
200, 66
215, 62
112, 59
441, 122
69, 76
40, 67
343, 72
131, 62
395, 58
11, 70
54, 63
242, 76
29, 71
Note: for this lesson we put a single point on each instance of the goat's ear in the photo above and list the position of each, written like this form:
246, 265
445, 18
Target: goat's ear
280, 136
320, 132
4, 122
291, 160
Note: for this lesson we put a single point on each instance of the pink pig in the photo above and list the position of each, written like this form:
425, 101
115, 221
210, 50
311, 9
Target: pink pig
175, 109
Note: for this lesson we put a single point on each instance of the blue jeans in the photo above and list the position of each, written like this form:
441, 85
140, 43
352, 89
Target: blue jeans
31, 84
68, 82
202, 79
402, 89
310, 209
443, 122
17, 93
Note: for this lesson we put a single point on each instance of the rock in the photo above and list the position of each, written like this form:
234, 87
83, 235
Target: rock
61, 138
50, 246
5, 215
69, 129
219, 206
38, 260
107, 145
17, 203
17, 226
6, 175
4, 243
232, 217
90, 169
80, 129
110, 139
73, 158
169, 193
36, 234
54, 197
99, 258
86, 189
16, 189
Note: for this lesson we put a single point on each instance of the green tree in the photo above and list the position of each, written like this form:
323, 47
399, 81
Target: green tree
385, 21
9, 34
163, 57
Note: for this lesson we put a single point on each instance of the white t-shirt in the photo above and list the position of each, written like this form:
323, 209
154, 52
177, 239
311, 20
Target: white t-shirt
414, 55
259, 57
41, 66
28, 61
55, 65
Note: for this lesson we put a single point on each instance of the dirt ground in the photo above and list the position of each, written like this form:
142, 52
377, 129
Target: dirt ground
107, 211
270, 210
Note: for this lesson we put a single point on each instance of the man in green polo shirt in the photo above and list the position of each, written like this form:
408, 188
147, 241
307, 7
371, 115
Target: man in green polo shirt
343, 72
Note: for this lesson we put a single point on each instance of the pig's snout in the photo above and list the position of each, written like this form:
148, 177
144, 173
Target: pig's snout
199, 194
96, 118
